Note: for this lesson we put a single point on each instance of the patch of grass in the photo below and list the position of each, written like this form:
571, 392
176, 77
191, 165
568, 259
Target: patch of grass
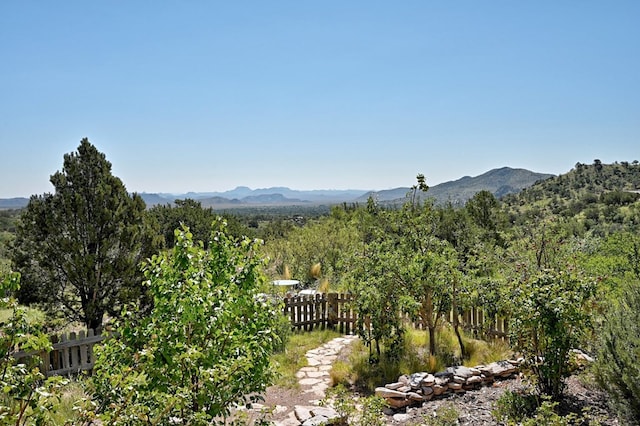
446, 415
477, 351
73, 393
340, 373
34, 316
481, 352
367, 376
415, 352
292, 358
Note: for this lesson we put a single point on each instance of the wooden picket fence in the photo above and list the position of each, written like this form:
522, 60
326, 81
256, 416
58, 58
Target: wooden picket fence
72, 353
323, 310
335, 311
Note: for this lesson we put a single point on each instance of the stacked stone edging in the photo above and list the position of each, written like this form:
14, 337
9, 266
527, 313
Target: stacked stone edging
417, 388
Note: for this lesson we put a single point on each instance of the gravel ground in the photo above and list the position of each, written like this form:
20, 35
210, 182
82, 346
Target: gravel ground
474, 407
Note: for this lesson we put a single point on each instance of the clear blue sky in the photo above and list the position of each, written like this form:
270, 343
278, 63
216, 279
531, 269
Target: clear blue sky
208, 95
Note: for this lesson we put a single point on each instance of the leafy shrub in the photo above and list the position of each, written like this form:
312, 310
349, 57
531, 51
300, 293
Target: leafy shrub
513, 407
546, 415
617, 368
372, 412
205, 346
550, 314
530, 409
342, 400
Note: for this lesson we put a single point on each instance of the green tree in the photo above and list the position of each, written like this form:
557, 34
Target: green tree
204, 347
78, 249
403, 265
483, 209
615, 259
198, 219
379, 295
187, 212
422, 262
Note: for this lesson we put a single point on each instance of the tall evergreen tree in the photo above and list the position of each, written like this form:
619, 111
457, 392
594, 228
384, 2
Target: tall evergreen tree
79, 248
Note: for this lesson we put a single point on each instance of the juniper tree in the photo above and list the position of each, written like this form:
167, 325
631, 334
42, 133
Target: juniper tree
78, 248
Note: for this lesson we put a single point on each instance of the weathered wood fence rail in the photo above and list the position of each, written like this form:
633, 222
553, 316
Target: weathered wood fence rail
333, 310
71, 354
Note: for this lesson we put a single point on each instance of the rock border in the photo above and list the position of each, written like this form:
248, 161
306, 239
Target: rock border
418, 388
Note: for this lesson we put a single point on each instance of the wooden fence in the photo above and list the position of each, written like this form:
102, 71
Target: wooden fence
334, 310
325, 310
71, 354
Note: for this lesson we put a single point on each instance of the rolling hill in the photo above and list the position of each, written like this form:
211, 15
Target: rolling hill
499, 182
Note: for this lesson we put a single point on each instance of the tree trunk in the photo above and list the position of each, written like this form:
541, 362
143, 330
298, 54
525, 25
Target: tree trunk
463, 354
432, 340
456, 323
428, 319
93, 320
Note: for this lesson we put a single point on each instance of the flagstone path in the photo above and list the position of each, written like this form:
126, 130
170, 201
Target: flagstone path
314, 379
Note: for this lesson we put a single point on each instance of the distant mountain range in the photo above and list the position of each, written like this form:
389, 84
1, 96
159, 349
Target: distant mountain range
498, 181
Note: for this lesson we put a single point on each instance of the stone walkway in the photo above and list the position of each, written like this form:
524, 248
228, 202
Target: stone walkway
314, 379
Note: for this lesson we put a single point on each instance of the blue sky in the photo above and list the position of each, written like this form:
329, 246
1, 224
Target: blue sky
209, 95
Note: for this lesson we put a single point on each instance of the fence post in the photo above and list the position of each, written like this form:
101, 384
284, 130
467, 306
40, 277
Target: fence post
74, 352
321, 310
332, 307
288, 311
65, 353
45, 363
84, 359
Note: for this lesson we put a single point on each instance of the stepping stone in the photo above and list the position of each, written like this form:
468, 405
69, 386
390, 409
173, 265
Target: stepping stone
316, 421
310, 381
302, 413
327, 412
313, 362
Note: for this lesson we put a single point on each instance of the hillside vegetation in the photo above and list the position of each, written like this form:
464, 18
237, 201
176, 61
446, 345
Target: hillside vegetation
599, 197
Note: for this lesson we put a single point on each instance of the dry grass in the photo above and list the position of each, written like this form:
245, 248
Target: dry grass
415, 357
